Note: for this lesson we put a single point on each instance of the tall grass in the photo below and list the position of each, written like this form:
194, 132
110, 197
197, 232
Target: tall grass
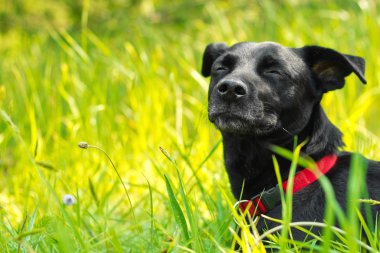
125, 76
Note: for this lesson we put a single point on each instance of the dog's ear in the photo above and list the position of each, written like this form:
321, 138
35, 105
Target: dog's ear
331, 67
212, 51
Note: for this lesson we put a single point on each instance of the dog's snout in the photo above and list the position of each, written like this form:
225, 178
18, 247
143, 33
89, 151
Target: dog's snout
231, 89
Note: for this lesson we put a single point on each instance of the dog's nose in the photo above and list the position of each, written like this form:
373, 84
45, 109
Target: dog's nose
231, 89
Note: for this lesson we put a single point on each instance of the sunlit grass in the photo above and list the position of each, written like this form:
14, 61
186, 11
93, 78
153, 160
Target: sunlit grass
130, 85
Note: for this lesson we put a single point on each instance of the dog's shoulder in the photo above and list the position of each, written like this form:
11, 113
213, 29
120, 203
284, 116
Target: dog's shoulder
346, 161
344, 168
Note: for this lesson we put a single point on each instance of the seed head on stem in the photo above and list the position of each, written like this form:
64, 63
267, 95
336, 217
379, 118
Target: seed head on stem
83, 144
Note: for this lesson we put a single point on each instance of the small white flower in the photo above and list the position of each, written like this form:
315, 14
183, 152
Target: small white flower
68, 199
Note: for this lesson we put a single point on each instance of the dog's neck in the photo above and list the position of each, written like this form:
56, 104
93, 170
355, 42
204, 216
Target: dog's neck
249, 159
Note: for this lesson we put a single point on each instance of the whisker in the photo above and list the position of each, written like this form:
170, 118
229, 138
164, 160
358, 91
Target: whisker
287, 131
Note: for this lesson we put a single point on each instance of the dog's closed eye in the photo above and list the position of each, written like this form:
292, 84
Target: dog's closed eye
272, 72
270, 66
221, 68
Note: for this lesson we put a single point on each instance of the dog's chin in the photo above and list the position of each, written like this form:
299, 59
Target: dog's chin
242, 126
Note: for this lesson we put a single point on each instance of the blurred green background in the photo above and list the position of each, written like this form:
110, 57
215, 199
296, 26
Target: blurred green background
124, 75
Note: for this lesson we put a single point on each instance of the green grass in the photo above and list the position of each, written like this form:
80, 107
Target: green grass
124, 76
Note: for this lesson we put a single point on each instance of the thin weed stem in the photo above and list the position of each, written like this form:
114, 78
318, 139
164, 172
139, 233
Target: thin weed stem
85, 145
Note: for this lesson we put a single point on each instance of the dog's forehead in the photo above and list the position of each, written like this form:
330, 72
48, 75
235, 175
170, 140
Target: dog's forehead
259, 50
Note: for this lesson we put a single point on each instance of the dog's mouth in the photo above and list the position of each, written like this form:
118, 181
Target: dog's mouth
238, 124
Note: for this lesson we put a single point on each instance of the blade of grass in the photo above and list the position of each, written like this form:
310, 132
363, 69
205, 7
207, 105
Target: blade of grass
358, 168
177, 211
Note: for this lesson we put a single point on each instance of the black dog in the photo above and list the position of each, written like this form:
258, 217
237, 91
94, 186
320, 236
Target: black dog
263, 94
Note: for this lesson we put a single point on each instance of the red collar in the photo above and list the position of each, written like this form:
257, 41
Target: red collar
267, 200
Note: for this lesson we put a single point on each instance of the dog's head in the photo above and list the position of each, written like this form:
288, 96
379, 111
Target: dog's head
263, 88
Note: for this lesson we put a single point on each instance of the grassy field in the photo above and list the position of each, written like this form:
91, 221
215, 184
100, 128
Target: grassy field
124, 76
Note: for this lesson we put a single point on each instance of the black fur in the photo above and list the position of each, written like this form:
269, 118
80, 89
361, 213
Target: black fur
262, 94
